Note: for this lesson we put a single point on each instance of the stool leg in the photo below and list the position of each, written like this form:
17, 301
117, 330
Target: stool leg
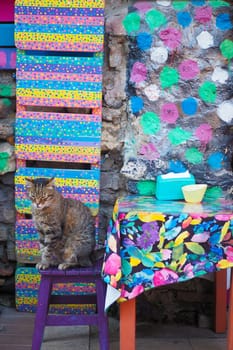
221, 301
230, 316
128, 325
102, 316
41, 312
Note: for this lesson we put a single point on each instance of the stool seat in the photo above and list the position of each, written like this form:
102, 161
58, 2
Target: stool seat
44, 317
79, 271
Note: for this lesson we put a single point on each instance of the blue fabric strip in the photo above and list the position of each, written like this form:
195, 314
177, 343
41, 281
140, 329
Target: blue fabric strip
59, 28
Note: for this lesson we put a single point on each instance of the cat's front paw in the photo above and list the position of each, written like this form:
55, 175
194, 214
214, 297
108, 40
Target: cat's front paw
63, 266
41, 266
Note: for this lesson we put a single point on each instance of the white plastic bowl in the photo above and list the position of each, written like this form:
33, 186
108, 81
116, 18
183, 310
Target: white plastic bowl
194, 193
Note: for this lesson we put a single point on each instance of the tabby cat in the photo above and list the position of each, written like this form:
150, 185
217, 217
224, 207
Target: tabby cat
66, 227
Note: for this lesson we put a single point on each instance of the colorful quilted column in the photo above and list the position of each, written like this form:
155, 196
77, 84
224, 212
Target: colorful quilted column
58, 120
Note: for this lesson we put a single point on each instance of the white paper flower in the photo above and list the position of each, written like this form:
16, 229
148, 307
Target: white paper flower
164, 2
220, 75
159, 55
225, 111
205, 40
152, 92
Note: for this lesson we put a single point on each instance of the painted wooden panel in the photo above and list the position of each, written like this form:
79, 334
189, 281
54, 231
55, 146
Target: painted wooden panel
7, 10
77, 25
7, 34
82, 185
27, 242
27, 280
58, 137
59, 81
7, 58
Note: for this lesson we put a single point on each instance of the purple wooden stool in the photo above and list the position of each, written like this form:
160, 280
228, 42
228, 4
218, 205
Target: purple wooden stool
45, 299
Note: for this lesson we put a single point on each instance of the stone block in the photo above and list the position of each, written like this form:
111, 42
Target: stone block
6, 128
3, 233
7, 214
115, 12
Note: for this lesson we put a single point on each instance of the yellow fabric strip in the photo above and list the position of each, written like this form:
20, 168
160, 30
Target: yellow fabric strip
47, 37
65, 182
59, 94
62, 3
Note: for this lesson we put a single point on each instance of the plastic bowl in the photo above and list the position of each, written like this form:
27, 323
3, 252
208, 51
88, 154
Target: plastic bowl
194, 193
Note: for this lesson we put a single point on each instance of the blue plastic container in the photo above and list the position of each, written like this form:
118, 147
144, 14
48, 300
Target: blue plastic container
171, 188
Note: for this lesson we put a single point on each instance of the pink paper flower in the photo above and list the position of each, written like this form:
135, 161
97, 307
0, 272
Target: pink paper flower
143, 6
166, 254
229, 253
188, 69
200, 237
164, 276
149, 151
204, 133
121, 216
134, 293
223, 217
203, 14
188, 270
169, 113
171, 37
112, 264
138, 73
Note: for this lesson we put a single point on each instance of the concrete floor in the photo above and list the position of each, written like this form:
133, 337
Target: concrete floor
16, 332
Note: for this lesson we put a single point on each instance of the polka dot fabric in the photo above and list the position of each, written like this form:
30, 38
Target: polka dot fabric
51, 76
59, 81
59, 25
58, 137
27, 283
82, 185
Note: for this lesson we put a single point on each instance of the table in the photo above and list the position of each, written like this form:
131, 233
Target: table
151, 243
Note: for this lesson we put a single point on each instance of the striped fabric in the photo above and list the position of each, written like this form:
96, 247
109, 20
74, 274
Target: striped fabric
59, 25
58, 137
27, 283
59, 64
59, 81
27, 242
82, 185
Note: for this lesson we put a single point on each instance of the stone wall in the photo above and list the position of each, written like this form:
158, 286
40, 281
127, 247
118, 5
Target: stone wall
116, 122
7, 167
114, 109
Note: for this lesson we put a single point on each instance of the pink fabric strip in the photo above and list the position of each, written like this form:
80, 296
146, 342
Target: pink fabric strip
59, 20
59, 76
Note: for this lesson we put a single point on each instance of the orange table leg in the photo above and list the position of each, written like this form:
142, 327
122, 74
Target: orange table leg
230, 317
128, 324
221, 301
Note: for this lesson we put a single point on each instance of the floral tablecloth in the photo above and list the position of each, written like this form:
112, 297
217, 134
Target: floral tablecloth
151, 243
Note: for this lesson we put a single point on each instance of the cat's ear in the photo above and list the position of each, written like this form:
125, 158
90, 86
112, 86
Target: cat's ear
51, 183
29, 183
